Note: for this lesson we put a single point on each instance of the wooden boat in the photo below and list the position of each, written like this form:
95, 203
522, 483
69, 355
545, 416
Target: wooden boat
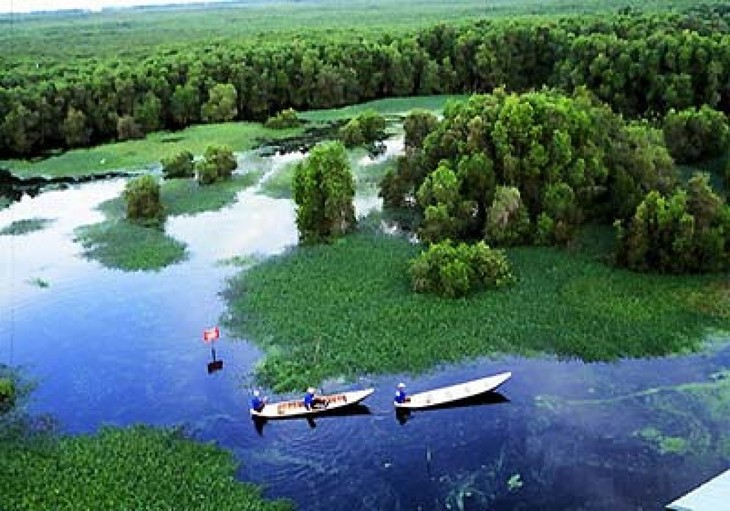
296, 408
453, 393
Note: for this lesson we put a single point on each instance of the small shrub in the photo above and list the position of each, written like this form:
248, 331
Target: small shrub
178, 166
283, 120
366, 128
351, 134
456, 270
218, 164
324, 190
142, 195
207, 172
372, 125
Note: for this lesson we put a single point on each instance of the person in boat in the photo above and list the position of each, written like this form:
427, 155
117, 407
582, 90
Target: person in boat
257, 402
400, 394
312, 400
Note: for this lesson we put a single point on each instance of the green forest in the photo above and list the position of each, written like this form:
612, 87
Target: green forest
641, 64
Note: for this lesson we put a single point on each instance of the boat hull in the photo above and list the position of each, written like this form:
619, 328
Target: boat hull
296, 408
450, 394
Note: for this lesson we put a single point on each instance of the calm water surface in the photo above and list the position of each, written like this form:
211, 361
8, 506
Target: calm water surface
115, 348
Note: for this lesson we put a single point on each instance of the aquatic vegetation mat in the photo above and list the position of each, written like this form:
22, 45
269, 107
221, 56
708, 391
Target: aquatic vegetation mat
127, 246
134, 468
186, 197
25, 226
347, 309
118, 243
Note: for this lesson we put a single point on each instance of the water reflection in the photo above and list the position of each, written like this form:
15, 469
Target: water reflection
355, 410
403, 415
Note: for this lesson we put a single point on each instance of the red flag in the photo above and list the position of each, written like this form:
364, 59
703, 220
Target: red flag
211, 334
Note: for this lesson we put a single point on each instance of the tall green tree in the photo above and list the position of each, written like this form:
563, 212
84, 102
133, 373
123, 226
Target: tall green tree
324, 191
184, 105
19, 130
75, 129
222, 104
148, 113
418, 124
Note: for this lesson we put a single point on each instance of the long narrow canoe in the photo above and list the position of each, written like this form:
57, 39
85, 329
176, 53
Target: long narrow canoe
296, 408
452, 393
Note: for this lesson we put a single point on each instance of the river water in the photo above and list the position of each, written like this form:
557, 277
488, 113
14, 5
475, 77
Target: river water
117, 348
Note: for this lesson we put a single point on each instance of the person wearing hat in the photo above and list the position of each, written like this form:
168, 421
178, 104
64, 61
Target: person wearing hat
312, 400
400, 394
258, 402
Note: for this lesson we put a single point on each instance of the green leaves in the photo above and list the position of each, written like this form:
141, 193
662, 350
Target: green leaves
222, 103
135, 468
218, 164
688, 231
457, 270
694, 135
324, 190
179, 165
143, 201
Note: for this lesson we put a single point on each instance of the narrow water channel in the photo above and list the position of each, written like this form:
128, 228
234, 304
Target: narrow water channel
113, 348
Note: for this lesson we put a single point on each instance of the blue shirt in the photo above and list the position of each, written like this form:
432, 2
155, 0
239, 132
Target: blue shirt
400, 396
257, 403
308, 400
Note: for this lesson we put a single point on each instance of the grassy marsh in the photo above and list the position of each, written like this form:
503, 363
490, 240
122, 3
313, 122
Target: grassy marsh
186, 197
145, 154
130, 247
138, 155
386, 107
347, 309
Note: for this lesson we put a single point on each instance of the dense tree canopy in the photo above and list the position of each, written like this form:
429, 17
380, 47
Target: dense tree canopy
513, 169
694, 135
639, 65
687, 231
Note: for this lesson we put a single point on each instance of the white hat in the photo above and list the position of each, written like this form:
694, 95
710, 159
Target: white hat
256, 393
311, 390
401, 385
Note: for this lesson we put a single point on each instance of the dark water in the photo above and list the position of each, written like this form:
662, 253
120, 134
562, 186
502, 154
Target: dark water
109, 347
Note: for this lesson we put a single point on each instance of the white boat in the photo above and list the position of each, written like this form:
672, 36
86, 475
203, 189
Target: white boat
444, 395
296, 408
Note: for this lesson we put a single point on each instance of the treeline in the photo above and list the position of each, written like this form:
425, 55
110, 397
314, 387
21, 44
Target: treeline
640, 65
